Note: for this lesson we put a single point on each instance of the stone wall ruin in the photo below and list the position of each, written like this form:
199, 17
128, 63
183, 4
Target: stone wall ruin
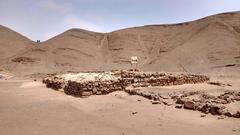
87, 84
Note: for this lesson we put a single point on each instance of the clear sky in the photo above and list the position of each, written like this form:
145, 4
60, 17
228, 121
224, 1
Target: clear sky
43, 19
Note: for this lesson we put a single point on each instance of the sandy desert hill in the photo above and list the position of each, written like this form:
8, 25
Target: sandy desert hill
208, 45
204, 45
12, 44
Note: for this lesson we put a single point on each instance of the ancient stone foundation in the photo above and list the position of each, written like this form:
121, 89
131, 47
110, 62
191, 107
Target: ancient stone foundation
101, 83
86, 84
144, 79
85, 89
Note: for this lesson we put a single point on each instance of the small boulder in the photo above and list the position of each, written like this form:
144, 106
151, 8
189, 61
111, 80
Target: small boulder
94, 90
86, 93
179, 101
229, 114
99, 93
215, 110
178, 106
167, 102
155, 102
236, 115
189, 105
204, 108
236, 98
220, 117
164, 96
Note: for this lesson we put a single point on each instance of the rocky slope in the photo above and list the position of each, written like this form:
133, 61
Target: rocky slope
204, 45
12, 44
208, 45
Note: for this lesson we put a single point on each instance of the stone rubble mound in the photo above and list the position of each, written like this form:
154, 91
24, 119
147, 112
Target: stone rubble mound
215, 105
195, 100
100, 83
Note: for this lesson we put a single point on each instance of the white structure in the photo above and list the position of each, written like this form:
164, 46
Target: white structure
134, 62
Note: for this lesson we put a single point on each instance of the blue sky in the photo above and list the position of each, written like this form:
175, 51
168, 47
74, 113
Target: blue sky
43, 19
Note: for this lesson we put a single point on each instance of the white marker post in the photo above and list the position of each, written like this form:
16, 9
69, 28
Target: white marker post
134, 61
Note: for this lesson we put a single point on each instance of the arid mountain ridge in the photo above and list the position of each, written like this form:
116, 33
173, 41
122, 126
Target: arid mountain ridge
208, 45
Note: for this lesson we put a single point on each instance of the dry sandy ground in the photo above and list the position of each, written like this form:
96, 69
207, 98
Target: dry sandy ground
28, 108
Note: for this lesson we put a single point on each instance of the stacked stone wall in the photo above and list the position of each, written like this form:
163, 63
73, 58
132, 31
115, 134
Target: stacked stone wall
127, 78
141, 79
84, 89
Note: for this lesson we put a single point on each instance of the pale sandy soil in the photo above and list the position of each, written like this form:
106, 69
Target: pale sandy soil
28, 108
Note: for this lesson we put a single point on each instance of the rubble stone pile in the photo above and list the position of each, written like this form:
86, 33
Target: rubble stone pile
86, 84
194, 100
215, 105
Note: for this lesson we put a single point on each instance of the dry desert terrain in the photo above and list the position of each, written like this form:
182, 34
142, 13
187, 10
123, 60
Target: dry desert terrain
209, 46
